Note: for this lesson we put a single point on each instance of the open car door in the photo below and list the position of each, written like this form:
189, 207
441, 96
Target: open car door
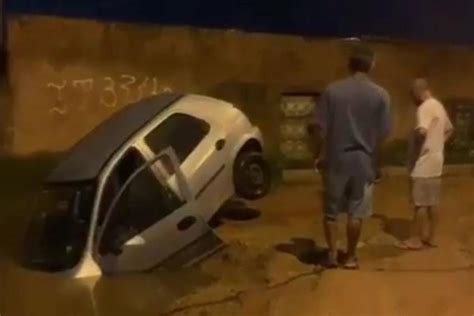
152, 219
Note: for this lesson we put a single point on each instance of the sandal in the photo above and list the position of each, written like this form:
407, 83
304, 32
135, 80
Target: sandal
405, 245
352, 264
330, 263
429, 244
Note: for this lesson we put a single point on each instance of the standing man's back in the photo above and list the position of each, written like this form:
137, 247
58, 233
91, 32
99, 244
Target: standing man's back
354, 118
356, 114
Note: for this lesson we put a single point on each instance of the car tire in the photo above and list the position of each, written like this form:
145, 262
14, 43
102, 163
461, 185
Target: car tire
252, 176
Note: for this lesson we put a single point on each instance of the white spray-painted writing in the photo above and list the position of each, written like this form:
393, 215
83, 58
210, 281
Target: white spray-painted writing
128, 82
107, 91
86, 85
59, 106
109, 95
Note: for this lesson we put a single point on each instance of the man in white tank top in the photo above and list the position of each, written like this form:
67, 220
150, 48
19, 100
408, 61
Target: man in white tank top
433, 128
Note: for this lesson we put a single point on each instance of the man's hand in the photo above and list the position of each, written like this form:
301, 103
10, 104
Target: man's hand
448, 135
319, 164
378, 175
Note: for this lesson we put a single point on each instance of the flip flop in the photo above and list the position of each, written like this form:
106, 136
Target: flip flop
429, 244
352, 264
406, 246
330, 263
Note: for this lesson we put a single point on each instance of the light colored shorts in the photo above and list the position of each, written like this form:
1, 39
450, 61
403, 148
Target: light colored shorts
362, 208
348, 184
426, 191
356, 206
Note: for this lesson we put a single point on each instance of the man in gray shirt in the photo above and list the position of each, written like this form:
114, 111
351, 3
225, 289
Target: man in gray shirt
354, 118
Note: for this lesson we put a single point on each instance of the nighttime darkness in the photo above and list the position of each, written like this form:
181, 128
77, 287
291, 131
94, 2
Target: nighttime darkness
236, 158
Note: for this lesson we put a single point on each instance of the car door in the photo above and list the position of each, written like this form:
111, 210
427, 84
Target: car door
202, 152
211, 168
147, 222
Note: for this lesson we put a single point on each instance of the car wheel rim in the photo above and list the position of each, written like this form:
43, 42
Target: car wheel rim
255, 174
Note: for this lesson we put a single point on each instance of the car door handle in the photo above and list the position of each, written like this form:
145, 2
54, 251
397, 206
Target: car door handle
220, 144
186, 223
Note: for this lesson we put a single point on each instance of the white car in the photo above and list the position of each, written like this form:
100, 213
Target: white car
144, 184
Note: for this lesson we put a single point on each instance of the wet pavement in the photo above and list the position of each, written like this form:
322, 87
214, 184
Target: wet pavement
270, 266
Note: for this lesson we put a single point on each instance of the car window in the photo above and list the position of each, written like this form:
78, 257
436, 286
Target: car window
181, 132
144, 203
122, 171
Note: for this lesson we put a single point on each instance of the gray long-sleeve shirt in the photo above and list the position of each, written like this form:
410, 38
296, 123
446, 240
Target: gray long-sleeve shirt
353, 115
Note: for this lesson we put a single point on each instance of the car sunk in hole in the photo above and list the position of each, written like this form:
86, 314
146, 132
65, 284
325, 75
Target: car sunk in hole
143, 186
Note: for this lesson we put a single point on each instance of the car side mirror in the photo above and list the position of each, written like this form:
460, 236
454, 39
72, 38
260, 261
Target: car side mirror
114, 249
117, 240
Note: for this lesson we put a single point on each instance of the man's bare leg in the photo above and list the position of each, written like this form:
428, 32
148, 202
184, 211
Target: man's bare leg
433, 218
330, 232
419, 226
420, 223
354, 226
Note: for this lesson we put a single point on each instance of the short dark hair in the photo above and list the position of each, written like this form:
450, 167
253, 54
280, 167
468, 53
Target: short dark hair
420, 84
361, 59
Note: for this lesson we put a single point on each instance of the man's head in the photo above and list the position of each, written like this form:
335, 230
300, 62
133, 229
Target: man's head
362, 59
420, 90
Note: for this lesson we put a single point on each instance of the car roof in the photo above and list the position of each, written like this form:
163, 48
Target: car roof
86, 159
209, 108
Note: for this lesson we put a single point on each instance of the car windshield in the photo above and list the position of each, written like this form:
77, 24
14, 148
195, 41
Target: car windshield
57, 235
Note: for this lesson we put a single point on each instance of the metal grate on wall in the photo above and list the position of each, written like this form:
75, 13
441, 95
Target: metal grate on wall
297, 114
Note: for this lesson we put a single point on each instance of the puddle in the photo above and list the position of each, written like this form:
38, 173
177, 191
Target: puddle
247, 262
30, 293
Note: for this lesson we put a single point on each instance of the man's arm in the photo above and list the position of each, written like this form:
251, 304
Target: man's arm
321, 114
424, 118
321, 120
420, 137
385, 126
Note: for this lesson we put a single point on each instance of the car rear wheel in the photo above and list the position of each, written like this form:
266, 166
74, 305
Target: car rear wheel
252, 176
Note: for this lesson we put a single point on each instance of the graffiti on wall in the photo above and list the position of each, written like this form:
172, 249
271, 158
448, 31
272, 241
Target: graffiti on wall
108, 91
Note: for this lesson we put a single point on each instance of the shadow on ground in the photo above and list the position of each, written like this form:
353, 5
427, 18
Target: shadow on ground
235, 210
306, 251
399, 228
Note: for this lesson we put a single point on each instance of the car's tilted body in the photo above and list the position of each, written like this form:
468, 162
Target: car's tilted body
144, 185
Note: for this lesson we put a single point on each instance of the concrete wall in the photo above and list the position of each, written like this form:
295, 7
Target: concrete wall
68, 75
